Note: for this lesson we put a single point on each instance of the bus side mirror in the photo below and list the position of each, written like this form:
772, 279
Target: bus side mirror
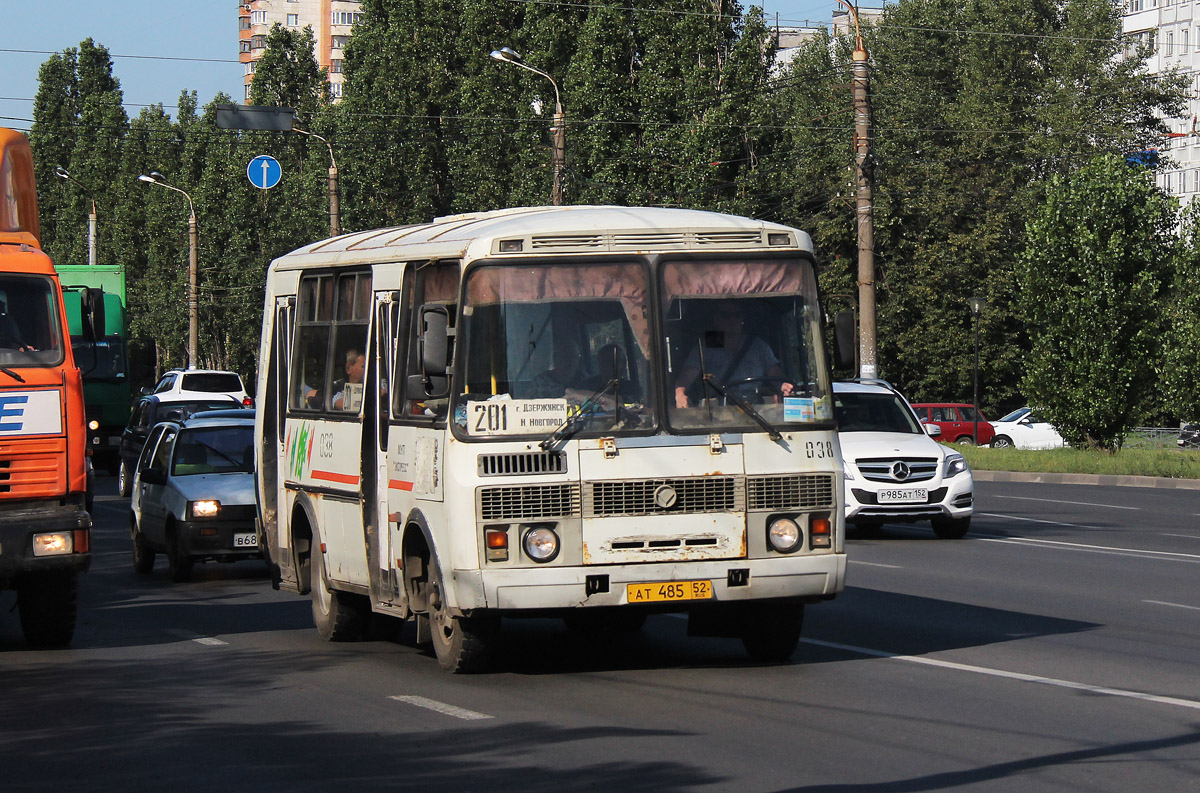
92, 313
433, 347
843, 339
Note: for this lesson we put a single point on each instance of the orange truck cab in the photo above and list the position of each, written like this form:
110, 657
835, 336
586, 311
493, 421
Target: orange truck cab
44, 524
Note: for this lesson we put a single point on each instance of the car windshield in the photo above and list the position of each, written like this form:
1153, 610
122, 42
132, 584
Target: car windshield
211, 382
1016, 415
214, 450
871, 412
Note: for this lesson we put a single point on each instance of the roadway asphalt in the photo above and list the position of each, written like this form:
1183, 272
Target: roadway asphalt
1053, 649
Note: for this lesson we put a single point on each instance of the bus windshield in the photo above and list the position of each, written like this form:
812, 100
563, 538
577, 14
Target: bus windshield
743, 344
544, 341
30, 332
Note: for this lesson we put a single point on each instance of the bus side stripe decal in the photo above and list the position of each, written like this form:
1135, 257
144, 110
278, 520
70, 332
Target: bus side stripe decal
397, 484
331, 476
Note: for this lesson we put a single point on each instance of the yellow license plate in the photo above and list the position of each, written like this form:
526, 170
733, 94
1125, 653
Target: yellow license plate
668, 590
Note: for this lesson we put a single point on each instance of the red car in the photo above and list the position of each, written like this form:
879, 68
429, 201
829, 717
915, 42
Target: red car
956, 420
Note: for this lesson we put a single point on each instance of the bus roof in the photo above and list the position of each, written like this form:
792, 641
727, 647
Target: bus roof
566, 229
18, 192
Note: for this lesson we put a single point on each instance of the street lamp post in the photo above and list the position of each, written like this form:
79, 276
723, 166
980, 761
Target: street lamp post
193, 304
976, 310
334, 226
61, 173
558, 127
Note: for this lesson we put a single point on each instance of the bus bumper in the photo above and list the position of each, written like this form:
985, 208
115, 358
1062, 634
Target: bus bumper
812, 577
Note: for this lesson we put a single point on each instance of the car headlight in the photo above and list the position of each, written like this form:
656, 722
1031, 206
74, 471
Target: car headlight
954, 465
846, 472
206, 508
541, 544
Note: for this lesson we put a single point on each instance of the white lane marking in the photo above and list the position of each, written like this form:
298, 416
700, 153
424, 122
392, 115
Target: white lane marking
442, 707
209, 641
191, 636
1174, 605
1140, 553
1036, 520
875, 564
1185, 536
983, 670
1076, 503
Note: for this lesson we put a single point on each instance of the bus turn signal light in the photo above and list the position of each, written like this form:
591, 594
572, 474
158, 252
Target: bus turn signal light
821, 533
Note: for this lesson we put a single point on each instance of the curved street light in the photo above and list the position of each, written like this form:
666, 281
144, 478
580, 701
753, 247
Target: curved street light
157, 178
334, 226
558, 127
62, 173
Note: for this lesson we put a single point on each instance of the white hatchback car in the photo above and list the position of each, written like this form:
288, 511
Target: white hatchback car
893, 470
202, 384
1022, 429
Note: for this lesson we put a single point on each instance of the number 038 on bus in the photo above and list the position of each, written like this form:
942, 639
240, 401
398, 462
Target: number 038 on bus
595, 413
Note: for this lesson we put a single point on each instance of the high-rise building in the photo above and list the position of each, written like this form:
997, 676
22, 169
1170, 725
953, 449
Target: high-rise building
330, 20
1172, 30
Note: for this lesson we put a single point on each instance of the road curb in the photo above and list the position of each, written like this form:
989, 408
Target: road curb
1163, 482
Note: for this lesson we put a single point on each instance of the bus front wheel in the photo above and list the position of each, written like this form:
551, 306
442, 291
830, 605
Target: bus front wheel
462, 644
770, 632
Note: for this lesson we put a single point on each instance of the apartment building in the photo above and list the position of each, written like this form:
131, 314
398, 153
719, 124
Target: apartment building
1172, 29
331, 22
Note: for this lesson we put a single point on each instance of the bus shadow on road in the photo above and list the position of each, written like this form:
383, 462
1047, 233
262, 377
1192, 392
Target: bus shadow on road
911, 625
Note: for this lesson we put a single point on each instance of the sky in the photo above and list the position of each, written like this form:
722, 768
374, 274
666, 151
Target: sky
162, 47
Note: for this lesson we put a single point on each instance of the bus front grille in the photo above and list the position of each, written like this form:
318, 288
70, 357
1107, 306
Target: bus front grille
522, 463
790, 492
664, 496
528, 502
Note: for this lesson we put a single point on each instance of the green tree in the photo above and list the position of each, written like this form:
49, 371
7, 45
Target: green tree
1091, 278
975, 104
1181, 347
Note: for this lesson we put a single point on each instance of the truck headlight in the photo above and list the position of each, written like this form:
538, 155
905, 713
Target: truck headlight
955, 464
206, 508
53, 543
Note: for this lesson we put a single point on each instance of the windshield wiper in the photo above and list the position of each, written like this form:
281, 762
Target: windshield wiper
576, 420
12, 374
772, 433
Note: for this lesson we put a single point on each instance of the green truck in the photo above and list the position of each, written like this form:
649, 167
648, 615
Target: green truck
104, 363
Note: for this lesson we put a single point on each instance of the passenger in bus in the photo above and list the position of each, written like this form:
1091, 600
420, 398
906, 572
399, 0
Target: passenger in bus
350, 396
612, 363
743, 363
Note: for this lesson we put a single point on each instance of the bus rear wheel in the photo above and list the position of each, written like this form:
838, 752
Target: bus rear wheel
339, 616
463, 645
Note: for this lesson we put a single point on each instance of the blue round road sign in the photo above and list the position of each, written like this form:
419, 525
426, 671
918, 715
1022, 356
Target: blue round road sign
264, 171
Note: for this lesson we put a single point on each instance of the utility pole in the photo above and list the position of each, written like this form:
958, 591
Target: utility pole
864, 205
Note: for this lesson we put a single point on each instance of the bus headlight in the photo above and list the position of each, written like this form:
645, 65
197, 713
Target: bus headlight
784, 534
541, 544
53, 544
206, 508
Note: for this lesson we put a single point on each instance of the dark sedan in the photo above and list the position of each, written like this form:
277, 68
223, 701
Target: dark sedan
149, 411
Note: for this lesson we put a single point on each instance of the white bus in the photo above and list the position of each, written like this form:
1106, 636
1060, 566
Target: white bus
595, 413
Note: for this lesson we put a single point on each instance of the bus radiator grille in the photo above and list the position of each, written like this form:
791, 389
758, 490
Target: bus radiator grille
790, 492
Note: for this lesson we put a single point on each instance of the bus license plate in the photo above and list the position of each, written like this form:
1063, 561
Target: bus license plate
912, 495
245, 540
668, 590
